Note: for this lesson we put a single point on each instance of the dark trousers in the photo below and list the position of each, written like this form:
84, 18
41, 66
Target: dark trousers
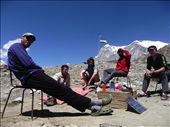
108, 74
50, 86
163, 78
168, 74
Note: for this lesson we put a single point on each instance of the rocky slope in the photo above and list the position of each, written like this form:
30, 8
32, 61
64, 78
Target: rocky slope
136, 75
166, 51
66, 116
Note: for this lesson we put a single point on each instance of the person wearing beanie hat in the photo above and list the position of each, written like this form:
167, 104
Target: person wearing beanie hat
33, 76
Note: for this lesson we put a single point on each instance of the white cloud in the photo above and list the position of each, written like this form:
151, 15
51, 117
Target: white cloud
3, 52
2, 62
8, 44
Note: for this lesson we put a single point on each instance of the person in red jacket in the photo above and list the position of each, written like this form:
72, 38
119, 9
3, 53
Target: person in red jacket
122, 67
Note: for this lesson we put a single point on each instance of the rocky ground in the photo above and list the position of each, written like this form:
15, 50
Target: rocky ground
156, 115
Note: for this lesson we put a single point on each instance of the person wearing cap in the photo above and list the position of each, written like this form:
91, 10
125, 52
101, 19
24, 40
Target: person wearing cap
122, 67
156, 68
33, 76
89, 74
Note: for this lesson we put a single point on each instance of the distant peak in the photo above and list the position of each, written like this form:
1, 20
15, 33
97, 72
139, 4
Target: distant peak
147, 43
137, 48
107, 45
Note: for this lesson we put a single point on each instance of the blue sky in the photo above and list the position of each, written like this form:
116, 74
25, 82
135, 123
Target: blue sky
69, 31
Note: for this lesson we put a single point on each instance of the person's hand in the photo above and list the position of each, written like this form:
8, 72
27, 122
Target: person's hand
83, 82
149, 73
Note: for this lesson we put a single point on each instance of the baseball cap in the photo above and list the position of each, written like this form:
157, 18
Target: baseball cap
28, 34
152, 47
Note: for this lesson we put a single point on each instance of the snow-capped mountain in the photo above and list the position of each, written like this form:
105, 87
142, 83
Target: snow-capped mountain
108, 52
147, 43
136, 48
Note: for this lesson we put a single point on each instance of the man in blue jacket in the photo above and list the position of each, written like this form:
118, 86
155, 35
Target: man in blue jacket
33, 76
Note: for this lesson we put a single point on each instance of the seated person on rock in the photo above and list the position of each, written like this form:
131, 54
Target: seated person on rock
62, 78
89, 74
156, 68
122, 67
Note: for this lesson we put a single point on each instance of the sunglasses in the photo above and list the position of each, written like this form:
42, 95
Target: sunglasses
30, 38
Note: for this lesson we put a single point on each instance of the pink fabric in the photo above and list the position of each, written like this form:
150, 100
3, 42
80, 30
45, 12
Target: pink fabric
81, 91
75, 89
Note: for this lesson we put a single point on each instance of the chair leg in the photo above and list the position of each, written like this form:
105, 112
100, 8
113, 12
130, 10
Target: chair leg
7, 101
156, 86
128, 82
32, 106
32, 111
41, 100
22, 100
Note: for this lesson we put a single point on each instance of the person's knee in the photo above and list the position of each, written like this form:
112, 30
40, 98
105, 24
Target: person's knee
125, 74
105, 72
97, 78
168, 74
163, 75
146, 77
85, 75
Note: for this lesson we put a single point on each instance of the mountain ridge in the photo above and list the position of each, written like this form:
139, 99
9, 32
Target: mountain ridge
137, 48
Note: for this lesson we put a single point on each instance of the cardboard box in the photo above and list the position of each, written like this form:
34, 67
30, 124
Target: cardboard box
119, 98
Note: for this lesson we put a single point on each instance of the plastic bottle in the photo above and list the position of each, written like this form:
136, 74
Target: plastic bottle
112, 87
104, 88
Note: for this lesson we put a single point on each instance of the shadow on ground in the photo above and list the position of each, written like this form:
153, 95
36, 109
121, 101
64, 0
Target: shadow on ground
47, 113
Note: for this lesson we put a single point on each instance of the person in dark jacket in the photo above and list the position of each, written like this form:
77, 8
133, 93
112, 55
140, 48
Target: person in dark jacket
33, 76
156, 68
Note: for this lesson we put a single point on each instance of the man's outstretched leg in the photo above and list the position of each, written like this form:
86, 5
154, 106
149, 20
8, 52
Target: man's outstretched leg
77, 101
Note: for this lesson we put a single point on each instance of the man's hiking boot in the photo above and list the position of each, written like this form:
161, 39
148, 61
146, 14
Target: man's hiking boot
51, 101
164, 96
101, 112
107, 100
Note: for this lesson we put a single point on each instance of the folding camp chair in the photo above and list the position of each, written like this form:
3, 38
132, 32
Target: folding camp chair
24, 88
128, 81
157, 82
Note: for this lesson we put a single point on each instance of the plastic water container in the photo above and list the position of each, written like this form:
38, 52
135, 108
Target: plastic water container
112, 87
104, 88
